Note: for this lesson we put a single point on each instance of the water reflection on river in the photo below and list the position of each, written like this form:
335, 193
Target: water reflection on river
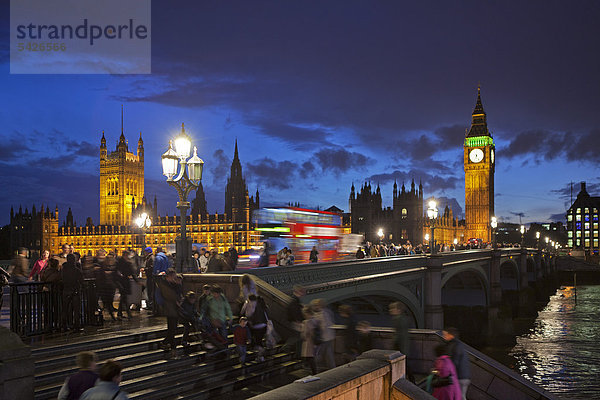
562, 351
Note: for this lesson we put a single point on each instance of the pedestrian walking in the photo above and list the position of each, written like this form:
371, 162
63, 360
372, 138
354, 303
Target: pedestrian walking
107, 387
19, 267
124, 271
310, 328
217, 310
314, 255
401, 339
295, 317
38, 267
324, 354
149, 273
104, 282
255, 310
241, 339
85, 378
444, 383
350, 335
458, 355
171, 292
72, 279
188, 316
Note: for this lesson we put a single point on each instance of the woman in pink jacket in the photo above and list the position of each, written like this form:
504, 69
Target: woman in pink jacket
445, 369
38, 267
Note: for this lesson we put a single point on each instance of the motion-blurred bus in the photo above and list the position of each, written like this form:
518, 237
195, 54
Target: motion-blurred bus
300, 229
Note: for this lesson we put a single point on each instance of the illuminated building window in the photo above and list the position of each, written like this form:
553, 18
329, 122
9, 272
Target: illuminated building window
570, 217
578, 242
570, 234
578, 210
586, 217
578, 217
578, 233
587, 233
587, 210
595, 218
586, 225
595, 233
577, 225
595, 242
587, 242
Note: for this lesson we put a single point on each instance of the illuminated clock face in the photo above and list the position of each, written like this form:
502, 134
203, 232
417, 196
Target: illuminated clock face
492, 156
476, 155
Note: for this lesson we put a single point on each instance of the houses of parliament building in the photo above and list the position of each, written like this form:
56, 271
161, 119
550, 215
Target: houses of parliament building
122, 200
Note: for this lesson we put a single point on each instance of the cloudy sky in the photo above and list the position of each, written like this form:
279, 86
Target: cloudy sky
320, 95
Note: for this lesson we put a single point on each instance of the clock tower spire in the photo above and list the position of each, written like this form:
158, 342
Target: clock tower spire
480, 165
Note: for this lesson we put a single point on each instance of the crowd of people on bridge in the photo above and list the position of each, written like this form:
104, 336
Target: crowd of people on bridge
216, 320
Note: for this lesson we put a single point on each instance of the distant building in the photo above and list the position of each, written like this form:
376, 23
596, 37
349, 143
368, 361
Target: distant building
400, 223
582, 221
36, 230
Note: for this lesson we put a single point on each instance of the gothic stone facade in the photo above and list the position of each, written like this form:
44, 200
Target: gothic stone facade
401, 223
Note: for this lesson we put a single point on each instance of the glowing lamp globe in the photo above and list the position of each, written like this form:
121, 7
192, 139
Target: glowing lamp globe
194, 166
169, 162
183, 144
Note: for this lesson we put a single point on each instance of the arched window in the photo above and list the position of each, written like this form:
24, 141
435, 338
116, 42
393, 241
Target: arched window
404, 213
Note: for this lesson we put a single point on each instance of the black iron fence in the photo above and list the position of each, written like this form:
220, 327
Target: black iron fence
37, 308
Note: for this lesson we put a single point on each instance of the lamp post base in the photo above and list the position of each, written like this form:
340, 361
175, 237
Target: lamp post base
183, 254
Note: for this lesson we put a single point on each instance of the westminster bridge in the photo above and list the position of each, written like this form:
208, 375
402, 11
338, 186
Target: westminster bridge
497, 281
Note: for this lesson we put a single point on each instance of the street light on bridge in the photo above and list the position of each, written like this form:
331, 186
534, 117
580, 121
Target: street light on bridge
432, 213
537, 239
380, 234
546, 239
143, 222
522, 235
494, 225
184, 182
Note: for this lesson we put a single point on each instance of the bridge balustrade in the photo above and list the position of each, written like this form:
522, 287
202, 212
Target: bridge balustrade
37, 307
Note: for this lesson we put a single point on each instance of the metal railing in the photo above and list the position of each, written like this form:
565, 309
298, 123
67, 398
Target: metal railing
37, 308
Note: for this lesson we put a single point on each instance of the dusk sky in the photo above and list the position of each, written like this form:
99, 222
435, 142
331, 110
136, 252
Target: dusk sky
320, 95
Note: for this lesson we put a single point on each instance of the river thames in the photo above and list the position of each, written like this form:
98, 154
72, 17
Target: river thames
561, 352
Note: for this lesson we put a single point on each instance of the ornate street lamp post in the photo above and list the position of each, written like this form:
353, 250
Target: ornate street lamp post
432, 213
143, 222
494, 225
537, 239
546, 239
184, 182
380, 234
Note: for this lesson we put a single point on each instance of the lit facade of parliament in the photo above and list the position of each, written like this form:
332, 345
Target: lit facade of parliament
122, 199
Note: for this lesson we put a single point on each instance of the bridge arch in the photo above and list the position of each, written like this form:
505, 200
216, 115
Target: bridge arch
509, 275
372, 304
465, 286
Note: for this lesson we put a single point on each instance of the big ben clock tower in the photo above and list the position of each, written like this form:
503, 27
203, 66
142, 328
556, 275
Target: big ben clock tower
480, 164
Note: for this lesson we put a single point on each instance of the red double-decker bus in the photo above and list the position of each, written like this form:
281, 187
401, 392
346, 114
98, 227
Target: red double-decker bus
300, 230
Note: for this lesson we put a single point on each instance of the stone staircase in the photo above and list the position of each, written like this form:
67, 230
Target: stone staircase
151, 373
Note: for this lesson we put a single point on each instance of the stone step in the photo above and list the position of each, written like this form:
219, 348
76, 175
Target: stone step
41, 353
136, 367
127, 360
230, 376
67, 359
